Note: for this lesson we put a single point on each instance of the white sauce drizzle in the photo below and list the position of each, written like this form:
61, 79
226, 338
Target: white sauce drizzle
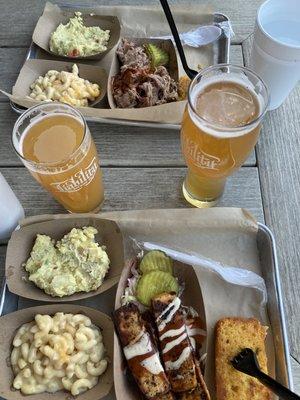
172, 333
173, 306
169, 346
153, 364
193, 343
171, 365
195, 331
142, 346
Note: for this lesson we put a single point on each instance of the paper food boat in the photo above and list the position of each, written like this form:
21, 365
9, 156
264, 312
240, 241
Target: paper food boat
22, 240
53, 16
172, 65
124, 387
32, 69
11, 322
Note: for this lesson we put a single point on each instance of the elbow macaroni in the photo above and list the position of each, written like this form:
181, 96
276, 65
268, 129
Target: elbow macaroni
47, 356
66, 87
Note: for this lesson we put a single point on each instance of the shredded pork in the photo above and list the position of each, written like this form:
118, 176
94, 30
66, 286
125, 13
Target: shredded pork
137, 85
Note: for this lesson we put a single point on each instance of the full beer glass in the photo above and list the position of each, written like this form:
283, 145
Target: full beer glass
220, 127
54, 143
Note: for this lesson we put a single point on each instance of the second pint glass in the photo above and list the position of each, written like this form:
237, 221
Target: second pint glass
220, 127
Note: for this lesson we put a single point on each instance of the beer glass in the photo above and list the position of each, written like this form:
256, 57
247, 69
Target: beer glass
220, 127
54, 143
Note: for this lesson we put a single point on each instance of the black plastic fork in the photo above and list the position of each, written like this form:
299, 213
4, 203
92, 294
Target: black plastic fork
246, 361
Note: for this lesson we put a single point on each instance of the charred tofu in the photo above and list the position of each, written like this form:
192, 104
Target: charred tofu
140, 352
176, 350
167, 396
196, 332
195, 394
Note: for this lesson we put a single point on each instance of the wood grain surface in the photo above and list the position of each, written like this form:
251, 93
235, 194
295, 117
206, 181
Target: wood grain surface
139, 188
117, 145
18, 18
143, 168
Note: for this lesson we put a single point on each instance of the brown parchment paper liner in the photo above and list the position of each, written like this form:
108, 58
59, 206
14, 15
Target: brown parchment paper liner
227, 235
143, 22
192, 296
32, 69
22, 240
54, 15
166, 45
11, 322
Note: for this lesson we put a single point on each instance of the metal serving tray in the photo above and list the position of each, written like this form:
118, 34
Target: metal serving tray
9, 302
220, 50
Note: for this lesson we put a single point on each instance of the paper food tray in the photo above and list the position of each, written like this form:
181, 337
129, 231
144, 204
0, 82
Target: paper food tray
217, 52
191, 231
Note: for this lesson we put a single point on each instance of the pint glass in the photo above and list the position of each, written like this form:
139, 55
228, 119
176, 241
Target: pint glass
220, 127
54, 143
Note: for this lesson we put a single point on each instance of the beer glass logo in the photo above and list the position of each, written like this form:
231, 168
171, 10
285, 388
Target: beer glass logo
200, 158
80, 179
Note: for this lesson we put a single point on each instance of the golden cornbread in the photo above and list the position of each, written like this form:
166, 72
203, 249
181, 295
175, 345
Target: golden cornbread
233, 335
183, 87
74, 264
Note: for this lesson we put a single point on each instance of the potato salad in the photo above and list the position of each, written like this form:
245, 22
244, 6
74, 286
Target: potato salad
76, 263
77, 40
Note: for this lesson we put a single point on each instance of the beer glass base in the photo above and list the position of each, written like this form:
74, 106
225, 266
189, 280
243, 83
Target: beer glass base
198, 202
94, 211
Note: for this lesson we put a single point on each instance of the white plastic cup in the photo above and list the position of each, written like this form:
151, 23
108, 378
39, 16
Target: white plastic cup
276, 48
11, 210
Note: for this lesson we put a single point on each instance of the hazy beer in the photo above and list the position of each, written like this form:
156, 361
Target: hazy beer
56, 146
220, 127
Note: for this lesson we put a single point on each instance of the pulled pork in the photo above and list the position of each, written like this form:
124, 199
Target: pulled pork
131, 55
137, 85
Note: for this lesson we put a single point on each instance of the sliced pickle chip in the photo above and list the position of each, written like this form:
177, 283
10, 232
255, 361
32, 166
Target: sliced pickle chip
156, 260
154, 283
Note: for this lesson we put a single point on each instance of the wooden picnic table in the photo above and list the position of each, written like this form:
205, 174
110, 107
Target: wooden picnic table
143, 168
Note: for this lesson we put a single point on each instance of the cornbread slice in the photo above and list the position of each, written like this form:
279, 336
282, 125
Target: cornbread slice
233, 335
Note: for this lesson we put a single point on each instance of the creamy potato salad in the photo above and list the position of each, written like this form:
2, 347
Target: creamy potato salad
76, 40
74, 264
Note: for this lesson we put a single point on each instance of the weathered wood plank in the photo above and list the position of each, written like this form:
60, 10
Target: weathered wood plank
278, 155
2, 263
296, 375
139, 188
22, 16
117, 145
11, 61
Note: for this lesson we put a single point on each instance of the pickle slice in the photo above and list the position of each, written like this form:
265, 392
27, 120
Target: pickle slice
156, 260
154, 283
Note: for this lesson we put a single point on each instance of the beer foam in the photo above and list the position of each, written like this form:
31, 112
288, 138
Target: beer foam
219, 132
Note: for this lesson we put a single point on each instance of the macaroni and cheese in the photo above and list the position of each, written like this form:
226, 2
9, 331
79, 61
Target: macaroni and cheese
66, 87
61, 352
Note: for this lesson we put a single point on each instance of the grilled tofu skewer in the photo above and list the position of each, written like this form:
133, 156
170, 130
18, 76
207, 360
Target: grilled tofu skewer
176, 350
196, 332
141, 354
181, 365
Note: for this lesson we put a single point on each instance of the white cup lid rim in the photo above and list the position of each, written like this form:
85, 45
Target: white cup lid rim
270, 37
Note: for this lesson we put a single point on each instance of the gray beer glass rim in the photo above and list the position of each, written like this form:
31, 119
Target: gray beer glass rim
49, 164
219, 127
